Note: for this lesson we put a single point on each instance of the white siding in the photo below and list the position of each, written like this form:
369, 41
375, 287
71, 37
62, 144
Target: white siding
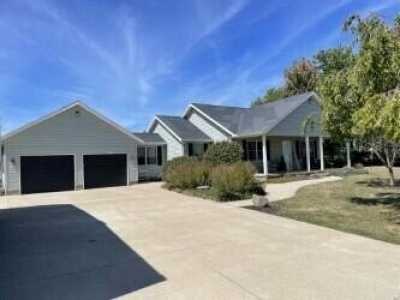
68, 133
293, 125
174, 147
149, 172
207, 127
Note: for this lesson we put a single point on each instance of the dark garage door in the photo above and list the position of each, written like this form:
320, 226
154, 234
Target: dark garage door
47, 173
104, 170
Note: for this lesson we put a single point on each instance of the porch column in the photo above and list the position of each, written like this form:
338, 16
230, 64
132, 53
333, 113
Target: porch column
308, 153
348, 154
321, 153
265, 155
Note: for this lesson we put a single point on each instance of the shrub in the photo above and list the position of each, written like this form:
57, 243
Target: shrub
223, 153
235, 181
173, 163
186, 173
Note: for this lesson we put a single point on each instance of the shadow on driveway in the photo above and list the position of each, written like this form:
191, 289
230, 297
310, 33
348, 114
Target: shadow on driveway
61, 252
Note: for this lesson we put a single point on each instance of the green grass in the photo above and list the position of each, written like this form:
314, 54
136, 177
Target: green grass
360, 204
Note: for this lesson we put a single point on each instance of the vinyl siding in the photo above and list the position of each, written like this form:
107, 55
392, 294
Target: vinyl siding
174, 147
69, 134
207, 127
293, 125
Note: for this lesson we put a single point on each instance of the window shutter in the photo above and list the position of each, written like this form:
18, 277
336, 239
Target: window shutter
159, 155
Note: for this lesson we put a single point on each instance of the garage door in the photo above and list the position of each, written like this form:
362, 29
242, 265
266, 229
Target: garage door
47, 173
104, 170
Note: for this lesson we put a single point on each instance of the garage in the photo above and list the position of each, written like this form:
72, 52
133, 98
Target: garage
47, 173
104, 170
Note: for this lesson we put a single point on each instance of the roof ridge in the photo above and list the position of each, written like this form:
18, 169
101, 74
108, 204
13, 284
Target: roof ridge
218, 105
309, 94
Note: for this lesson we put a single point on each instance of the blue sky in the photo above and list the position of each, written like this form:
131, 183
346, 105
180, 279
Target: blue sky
133, 59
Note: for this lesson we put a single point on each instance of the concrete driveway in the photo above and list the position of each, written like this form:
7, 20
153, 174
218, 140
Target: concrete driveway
147, 243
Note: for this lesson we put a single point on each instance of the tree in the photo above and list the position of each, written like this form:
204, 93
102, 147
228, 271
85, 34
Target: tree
301, 77
272, 94
361, 99
333, 60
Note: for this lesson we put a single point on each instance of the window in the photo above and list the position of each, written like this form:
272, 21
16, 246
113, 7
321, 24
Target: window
141, 156
205, 147
252, 150
151, 155
190, 149
159, 155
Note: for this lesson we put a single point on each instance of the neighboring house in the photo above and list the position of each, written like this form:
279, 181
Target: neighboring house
77, 148
273, 135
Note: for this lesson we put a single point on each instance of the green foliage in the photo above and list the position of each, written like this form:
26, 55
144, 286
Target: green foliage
223, 153
186, 173
334, 60
272, 94
361, 100
301, 77
234, 181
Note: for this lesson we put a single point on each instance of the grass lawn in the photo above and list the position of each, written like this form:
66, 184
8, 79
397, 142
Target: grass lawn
360, 204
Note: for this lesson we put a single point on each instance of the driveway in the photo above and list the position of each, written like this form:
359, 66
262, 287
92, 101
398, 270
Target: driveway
142, 242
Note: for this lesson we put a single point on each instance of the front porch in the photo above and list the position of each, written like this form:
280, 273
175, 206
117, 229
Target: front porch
286, 154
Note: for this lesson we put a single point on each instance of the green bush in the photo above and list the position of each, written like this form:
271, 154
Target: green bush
223, 153
235, 181
186, 173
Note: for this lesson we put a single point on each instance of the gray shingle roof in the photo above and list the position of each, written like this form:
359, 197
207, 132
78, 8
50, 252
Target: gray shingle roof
255, 120
184, 129
148, 137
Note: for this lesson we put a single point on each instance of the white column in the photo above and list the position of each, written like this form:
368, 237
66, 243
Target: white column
265, 154
348, 154
321, 153
308, 153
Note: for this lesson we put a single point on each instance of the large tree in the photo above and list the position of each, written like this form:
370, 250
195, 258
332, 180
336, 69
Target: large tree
361, 98
301, 77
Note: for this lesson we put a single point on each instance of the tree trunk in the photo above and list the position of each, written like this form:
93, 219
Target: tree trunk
391, 176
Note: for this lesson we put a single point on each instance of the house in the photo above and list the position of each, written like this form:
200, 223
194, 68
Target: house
281, 134
79, 148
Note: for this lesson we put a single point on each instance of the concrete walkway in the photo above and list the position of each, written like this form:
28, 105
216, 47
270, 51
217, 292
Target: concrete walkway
280, 191
143, 242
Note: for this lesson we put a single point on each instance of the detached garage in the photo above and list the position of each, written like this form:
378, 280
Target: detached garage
72, 148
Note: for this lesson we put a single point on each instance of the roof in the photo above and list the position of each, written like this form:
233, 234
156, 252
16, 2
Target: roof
226, 116
261, 119
68, 107
150, 138
183, 129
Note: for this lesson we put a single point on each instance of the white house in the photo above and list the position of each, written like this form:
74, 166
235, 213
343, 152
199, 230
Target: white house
78, 148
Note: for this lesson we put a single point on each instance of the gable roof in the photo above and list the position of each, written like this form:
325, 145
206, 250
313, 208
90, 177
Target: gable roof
68, 107
150, 138
239, 121
181, 128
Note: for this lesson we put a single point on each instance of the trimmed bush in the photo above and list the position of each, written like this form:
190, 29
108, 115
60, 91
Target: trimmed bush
235, 181
223, 153
186, 173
